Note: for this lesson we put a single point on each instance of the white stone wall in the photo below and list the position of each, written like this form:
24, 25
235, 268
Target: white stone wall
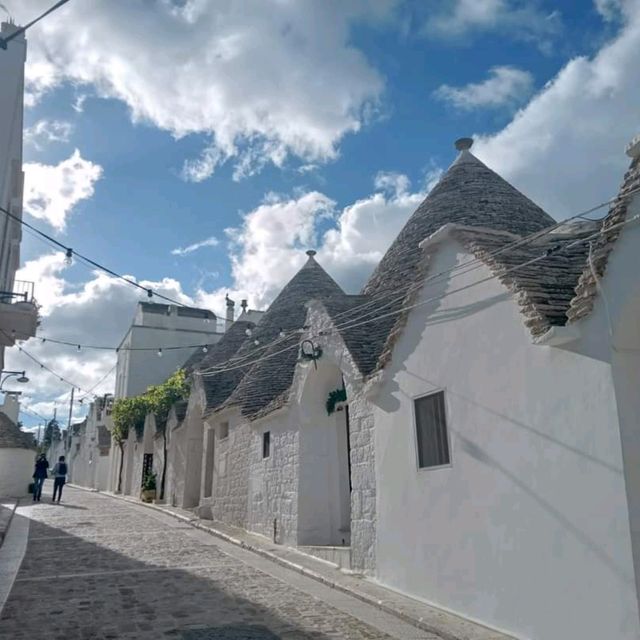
176, 465
273, 481
16, 469
528, 529
229, 493
361, 429
363, 481
158, 461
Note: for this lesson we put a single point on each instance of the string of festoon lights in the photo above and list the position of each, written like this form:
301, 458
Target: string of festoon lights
354, 320
373, 301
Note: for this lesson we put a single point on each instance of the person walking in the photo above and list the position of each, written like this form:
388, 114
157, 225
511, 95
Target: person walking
39, 476
59, 477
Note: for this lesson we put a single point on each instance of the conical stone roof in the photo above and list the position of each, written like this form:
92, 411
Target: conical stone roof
268, 380
468, 194
11, 437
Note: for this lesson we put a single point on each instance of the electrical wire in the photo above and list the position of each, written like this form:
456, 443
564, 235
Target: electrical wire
44, 366
21, 30
70, 253
104, 377
404, 308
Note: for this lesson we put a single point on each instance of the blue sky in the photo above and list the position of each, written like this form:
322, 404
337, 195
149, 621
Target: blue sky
316, 124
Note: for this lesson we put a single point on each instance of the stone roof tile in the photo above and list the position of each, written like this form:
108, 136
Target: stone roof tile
11, 437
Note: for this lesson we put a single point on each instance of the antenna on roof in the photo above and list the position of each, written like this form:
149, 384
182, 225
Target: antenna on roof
7, 12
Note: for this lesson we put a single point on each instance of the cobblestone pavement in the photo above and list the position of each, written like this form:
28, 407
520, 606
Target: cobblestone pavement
96, 568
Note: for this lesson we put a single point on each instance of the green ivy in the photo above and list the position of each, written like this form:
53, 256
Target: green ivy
158, 399
339, 395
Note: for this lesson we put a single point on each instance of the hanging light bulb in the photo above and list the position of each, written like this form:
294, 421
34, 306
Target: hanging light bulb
256, 342
79, 347
204, 349
159, 353
68, 258
282, 333
149, 293
248, 332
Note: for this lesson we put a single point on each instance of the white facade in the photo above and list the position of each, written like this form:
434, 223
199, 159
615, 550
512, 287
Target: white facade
159, 326
89, 451
18, 315
16, 469
527, 529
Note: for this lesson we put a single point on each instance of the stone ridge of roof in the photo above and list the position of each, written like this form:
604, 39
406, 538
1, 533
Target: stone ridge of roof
587, 287
468, 194
545, 287
12, 437
270, 376
218, 387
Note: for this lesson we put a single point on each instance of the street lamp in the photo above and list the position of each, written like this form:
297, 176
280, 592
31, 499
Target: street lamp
10, 374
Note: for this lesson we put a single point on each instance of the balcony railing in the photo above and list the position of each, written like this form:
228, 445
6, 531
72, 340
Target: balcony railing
22, 292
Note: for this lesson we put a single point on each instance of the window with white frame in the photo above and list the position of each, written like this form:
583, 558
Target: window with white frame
432, 438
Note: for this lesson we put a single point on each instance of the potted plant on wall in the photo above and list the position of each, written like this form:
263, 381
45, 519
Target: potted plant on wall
148, 493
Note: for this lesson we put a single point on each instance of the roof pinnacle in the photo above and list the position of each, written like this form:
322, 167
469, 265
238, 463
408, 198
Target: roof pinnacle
464, 144
311, 253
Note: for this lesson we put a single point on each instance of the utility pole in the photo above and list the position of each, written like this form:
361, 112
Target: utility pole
70, 411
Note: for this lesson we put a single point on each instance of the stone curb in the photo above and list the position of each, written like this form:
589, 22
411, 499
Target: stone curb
363, 597
3, 531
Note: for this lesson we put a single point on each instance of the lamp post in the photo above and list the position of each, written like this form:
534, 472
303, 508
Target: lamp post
10, 374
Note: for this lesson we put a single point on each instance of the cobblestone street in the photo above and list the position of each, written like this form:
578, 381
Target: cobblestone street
97, 567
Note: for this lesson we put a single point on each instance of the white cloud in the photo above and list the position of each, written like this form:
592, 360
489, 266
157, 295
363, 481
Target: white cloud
565, 149
52, 191
96, 312
183, 251
47, 131
610, 10
269, 247
275, 80
265, 251
504, 86
516, 19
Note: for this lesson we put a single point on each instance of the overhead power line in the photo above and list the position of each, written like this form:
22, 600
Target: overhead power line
61, 378
70, 253
372, 302
21, 30
353, 323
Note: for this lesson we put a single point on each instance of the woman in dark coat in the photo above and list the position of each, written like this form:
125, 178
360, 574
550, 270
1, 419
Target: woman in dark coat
39, 476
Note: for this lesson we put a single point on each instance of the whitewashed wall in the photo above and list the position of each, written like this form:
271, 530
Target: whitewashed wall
361, 428
229, 494
273, 481
612, 331
528, 529
16, 469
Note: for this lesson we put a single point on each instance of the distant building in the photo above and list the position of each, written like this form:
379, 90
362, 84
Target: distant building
18, 313
89, 445
157, 328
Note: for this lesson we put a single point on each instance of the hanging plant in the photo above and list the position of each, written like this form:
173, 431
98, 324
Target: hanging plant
335, 397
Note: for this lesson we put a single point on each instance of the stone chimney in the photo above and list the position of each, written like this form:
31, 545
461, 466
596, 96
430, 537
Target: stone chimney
243, 305
230, 312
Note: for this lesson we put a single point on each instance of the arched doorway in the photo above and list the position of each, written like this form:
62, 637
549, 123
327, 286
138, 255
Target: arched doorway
324, 491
